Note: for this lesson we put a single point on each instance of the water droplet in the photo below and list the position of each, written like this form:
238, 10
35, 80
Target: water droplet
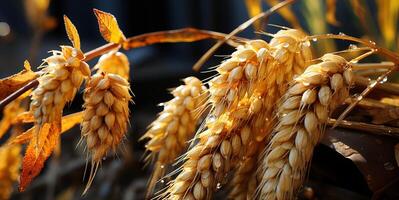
314, 39
372, 83
372, 42
162, 181
218, 186
104, 158
342, 34
162, 166
359, 98
384, 80
352, 46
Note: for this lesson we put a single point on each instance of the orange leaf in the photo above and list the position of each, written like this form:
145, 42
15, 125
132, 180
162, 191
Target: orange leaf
68, 122
109, 27
12, 83
37, 152
72, 33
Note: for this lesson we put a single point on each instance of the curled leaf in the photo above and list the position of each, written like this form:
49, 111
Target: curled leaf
12, 83
109, 27
68, 122
72, 33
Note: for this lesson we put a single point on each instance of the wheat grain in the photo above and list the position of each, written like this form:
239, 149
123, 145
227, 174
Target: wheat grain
300, 126
237, 75
290, 53
62, 75
105, 116
114, 62
175, 125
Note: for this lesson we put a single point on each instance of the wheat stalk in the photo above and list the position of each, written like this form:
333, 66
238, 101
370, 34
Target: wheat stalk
105, 116
302, 116
291, 53
61, 77
114, 62
175, 125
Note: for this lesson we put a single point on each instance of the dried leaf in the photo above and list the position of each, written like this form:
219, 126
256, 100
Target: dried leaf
254, 8
12, 83
37, 152
10, 112
109, 27
331, 6
72, 33
173, 36
68, 122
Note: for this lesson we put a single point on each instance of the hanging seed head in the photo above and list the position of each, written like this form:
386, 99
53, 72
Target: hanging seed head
302, 116
62, 75
105, 116
10, 162
175, 125
114, 62
237, 75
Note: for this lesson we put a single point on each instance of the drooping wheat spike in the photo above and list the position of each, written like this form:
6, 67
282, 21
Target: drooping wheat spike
207, 163
114, 62
175, 125
302, 116
63, 74
236, 76
105, 117
290, 53
10, 163
226, 127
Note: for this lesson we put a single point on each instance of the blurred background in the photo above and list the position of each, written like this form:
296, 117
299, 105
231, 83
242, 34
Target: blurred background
30, 28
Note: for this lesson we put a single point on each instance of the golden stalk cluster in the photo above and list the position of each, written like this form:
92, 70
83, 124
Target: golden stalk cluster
243, 97
175, 125
302, 116
10, 163
290, 53
106, 112
62, 76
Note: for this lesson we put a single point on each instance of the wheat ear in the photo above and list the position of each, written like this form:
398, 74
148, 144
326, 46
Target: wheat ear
301, 122
105, 116
114, 62
236, 77
175, 125
291, 53
62, 75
